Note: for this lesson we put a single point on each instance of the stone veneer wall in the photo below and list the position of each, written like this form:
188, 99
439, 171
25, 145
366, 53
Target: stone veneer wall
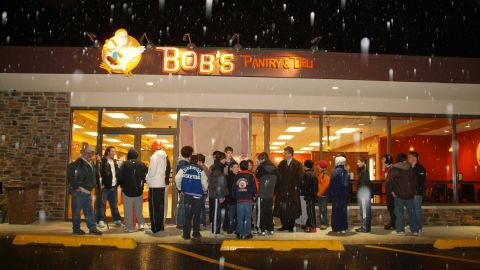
34, 136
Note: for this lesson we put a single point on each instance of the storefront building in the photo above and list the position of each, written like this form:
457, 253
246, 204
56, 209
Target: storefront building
54, 100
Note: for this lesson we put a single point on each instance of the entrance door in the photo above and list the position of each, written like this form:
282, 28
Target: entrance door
124, 139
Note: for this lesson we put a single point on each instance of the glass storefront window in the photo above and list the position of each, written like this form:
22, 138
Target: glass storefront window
431, 139
84, 131
139, 119
300, 131
258, 133
468, 172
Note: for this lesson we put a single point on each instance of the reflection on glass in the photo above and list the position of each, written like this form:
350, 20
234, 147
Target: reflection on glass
139, 119
84, 131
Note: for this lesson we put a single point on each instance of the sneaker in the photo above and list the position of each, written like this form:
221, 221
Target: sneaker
262, 233
186, 237
398, 233
141, 227
343, 232
282, 229
95, 232
149, 231
312, 230
101, 224
248, 236
271, 232
389, 227
323, 227
239, 236
415, 234
129, 231
78, 232
197, 236
361, 230
117, 223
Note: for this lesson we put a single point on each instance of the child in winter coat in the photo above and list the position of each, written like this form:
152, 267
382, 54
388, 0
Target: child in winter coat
267, 174
310, 189
243, 191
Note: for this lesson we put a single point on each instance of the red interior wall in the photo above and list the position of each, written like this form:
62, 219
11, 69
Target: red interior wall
433, 150
468, 164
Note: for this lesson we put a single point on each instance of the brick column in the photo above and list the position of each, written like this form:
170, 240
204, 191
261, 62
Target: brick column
34, 136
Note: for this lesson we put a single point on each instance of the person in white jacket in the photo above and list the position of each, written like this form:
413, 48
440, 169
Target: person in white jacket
157, 180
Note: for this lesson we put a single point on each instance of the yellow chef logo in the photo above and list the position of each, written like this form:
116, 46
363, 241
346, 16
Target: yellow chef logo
121, 53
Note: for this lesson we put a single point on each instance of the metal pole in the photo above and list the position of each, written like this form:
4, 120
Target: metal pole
320, 126
389, 135
453, 122
266, 133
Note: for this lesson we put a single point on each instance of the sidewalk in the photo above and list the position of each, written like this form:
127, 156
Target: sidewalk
172, 235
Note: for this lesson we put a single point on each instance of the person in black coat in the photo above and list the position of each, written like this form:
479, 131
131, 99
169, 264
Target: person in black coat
413, 159
338, 191
132, 180
364, 194
310, 189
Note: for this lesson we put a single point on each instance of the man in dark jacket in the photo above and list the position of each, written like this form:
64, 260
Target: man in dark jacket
287, 191
402, 184
132, 180
109, 172
217, 191
364, 194
267, 174
243, 191
310, 189
338, 192
413, 159
81, 176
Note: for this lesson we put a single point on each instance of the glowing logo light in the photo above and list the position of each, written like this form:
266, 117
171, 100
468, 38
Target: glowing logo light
121, 53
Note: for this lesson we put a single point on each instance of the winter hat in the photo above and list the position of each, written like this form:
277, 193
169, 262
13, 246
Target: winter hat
323, 164
157, 144
308, 163
340, 161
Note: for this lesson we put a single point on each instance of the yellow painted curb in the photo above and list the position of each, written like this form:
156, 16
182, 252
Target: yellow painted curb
75, 241
455, 243
281, 245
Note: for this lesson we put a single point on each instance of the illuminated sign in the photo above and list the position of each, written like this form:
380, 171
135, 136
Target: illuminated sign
289, 62
121, 53
175, 60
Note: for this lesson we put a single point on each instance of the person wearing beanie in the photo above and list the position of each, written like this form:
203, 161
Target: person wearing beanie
157, 179
310, 190
338, 191
131, 180
387, 162
323, 184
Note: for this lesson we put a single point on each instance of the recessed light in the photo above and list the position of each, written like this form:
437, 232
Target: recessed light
446, 131
112, 140
77, 126
361, 124
303, 123
332, 138
126, 145
274, 147
278, 143
91, 133
135, 125
315, 144
117, 115
151, 135
285, 137
346, 130
168, 145
335, 87
306, 148
278, 151
149, 83
299, 152
468, 125
295, 129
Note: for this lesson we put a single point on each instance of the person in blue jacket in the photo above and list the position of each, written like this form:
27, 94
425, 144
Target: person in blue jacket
338, 191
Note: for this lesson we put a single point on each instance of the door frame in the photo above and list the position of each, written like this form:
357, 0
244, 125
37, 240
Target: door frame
138, 132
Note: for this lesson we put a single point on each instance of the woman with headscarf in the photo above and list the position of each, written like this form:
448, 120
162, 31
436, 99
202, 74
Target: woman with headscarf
338, 191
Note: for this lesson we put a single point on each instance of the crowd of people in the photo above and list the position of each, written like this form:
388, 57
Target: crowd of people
249, 200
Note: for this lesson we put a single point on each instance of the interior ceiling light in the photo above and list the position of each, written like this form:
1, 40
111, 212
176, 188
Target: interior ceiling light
278, 143
335, 87
306, 148
112, 140
361, 124
91, 133
117, 115
468, 125
299, 152
332, 138
274, 147
295, 129
149, 83
168, 145
135, 125
346, 130
126, 145
315, 144
77, 126
278, 151
285, 137
446, 131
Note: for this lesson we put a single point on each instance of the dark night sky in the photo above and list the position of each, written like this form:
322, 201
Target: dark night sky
440, 28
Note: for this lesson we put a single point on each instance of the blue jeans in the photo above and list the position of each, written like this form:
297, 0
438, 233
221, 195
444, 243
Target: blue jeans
399, 224
202, 212
110, 196
82, 201
180, 210
232, 217
244, 218
363, 198
417, 200
322, 207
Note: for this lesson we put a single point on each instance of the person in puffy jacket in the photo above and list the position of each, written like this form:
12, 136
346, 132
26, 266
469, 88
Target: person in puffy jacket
217, 190
132, 180
310, 189
364, 194
243, 191
323, 184
267, 175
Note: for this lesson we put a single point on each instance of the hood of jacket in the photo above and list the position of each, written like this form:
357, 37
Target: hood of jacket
402, 165
268, 166
132, 154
